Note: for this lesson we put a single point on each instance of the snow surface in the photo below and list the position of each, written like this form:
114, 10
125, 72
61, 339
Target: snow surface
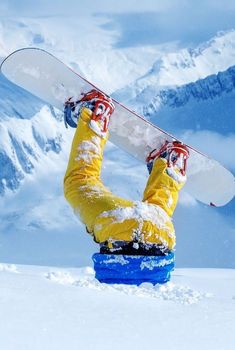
56, 308
45, 307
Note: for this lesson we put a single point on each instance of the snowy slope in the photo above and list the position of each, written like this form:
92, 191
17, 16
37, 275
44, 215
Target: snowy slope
54, 309
16, 102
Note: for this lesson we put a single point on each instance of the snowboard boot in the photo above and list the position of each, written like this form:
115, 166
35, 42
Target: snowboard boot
176, 155
100, 105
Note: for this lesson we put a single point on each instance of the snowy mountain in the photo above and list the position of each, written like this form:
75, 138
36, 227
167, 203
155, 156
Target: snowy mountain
34, 144
189, 110
28, 132
147, 55
212, 88
200, 113
197, 105
23, 152
87, 48
178, 108
185, 66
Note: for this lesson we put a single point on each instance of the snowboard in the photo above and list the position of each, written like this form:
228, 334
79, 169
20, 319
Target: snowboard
45, 76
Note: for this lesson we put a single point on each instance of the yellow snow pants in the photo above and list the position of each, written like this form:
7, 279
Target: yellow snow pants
111, 218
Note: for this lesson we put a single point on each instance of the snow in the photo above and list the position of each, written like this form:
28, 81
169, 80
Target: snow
88, 150
142, 211
90, 146
177, 176
49, 298
56, 308
151, 264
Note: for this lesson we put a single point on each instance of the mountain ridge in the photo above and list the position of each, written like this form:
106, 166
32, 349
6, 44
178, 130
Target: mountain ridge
185, 66
24, 143
203, 89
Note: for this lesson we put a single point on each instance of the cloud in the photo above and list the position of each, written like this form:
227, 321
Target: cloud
217, 146
186, 22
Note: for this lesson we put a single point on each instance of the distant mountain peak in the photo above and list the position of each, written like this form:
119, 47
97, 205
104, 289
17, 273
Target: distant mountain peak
24, 143
182, 67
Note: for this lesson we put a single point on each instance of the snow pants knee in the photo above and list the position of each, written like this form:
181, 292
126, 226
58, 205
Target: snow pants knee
107, 216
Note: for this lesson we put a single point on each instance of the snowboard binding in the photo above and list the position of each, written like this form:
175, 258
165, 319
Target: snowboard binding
176, 154
100, 105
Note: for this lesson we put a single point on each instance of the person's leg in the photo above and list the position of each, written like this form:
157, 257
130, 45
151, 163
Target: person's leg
149, 223
108, 217
83, 188
161, 188
167, 177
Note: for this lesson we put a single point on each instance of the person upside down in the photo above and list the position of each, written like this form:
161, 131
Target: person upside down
119, 225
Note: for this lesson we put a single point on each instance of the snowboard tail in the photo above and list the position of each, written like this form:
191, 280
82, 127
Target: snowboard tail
51, 80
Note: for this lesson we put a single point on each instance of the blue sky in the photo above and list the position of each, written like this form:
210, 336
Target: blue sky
187, 22
149, 28
175, 7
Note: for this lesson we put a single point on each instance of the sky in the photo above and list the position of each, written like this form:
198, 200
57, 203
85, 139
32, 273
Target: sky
176, 7
149, 22
44, 7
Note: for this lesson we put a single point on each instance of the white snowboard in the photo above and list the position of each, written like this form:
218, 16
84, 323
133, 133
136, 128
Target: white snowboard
45, 76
